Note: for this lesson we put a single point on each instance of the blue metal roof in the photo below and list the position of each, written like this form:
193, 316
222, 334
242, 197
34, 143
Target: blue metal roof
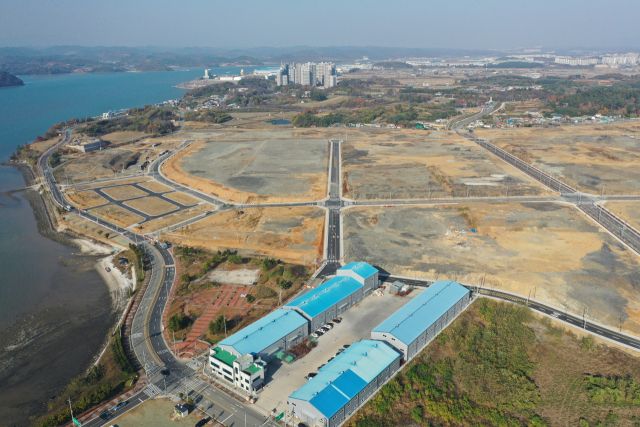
264, 332
325, 295
419, 314
362, 269
346, 375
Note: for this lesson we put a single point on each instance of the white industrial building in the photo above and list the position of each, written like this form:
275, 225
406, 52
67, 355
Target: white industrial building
241, 358
413, 326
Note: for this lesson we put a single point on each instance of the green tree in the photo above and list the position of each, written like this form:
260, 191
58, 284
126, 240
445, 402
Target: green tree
416, 414
178, 321
219, 326
234, 259
287, 273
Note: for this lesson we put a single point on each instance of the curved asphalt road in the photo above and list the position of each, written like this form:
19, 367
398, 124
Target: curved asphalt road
153, 352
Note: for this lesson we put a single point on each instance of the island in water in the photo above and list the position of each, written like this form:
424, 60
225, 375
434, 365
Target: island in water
7, 80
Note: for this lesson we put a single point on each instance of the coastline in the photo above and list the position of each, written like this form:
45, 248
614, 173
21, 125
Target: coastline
30, 331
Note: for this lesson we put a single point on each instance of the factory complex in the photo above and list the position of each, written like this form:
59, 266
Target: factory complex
354, 375
349, 380
241, 359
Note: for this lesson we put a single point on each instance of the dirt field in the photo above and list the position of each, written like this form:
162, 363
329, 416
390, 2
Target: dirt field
174, 218
183, 198
86, 199
155, 412
99, 165
117, 215
628, 211
244, 276
549, 249
294, 234
124, 192
156, 187
152, 206
103, 184
116, 138
255, 170
92, 230
589, 156
420, 164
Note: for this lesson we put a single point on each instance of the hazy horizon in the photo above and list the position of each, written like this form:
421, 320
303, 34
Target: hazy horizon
491, 25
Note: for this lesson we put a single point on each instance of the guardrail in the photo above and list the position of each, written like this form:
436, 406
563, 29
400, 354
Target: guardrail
542, 177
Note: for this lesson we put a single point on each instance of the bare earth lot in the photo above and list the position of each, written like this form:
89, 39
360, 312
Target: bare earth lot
108, 183
156, 187
152, 206
549, 249
124, 192
588, 156
86, 199
421, 164
628, 211
245, 276
117, 215
290, 233
183, 198
155, 413
174, 218
261, 170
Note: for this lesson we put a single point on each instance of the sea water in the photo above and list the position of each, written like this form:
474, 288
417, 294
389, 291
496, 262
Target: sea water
55, 310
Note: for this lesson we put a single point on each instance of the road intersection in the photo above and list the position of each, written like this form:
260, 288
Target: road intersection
169, 376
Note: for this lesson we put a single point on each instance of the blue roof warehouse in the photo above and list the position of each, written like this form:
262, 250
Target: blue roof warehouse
344, 384
423, 318
242, 358
352, 283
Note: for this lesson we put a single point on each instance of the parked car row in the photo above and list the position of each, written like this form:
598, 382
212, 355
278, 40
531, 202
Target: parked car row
326, 328
313, 374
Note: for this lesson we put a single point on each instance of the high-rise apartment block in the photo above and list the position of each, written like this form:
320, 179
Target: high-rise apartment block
309, 74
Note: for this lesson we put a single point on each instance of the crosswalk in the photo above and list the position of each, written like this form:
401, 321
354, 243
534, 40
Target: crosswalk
152, 390
194, 364
190, 384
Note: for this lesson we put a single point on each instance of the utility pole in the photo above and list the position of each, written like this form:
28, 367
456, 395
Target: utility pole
584, 321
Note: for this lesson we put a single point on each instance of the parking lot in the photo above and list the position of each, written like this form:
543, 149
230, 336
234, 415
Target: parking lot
357, 322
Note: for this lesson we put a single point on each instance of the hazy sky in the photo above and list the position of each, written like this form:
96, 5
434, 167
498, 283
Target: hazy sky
475, 24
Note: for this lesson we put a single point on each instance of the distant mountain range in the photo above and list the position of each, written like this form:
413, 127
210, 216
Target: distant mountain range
78, 59
100, 59
7, 80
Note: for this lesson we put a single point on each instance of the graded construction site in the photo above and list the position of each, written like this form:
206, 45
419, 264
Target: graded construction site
387, 164
550, 251
260, 170
290, 233
591, 158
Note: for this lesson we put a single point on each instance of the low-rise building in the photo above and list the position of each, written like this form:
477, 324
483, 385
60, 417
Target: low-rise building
344, 384
352, 283
363, 273
245, 372
327, 301
413, 326
242, 358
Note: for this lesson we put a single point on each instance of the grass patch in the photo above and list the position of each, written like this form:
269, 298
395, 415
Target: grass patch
499, 365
